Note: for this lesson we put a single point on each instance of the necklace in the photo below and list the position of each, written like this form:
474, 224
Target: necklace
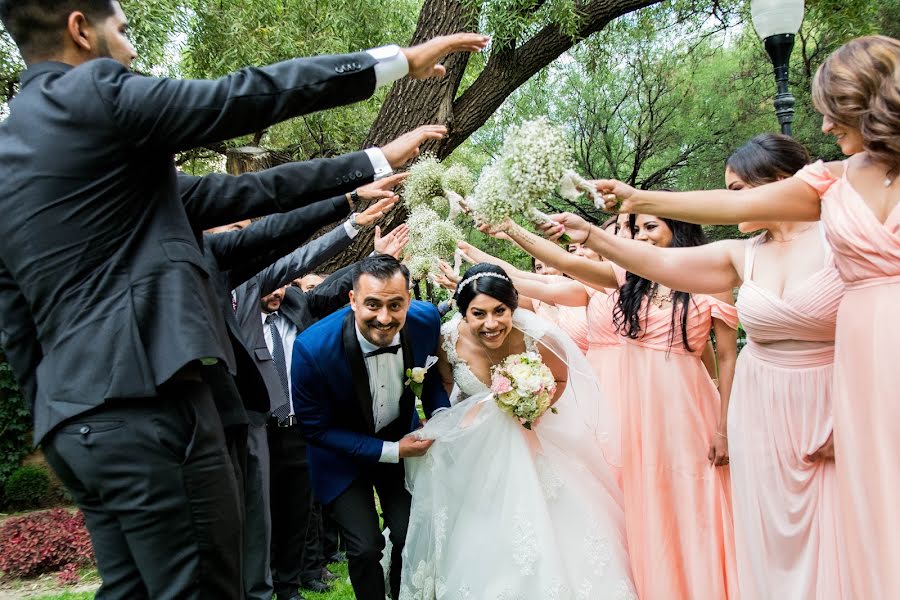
660, 301
772, 238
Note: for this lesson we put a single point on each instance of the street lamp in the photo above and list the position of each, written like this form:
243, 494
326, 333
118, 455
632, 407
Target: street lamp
777, 22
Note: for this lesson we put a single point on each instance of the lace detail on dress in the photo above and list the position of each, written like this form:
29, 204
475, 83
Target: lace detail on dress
423, 584
440, 531
525, 542
597, 548
584, 591
624, 591
508, 594
557, 591
548, 475
466, 381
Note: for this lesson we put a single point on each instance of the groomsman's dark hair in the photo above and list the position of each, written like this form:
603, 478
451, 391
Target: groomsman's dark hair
381, 267
37, 26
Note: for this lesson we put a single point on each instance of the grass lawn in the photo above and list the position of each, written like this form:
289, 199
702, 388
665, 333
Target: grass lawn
340, 591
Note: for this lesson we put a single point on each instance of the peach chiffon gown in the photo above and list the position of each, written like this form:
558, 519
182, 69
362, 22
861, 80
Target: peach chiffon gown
678, 520
866, 382
605, 351
571, 319
785, 513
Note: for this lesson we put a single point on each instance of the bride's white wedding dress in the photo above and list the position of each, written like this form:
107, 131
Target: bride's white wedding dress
503, 513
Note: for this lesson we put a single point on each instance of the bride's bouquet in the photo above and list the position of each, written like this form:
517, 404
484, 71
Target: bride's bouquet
523, 386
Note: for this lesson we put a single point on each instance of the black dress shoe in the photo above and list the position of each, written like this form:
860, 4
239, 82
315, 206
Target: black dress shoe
297, 596
328, 575
316, 585
337, 557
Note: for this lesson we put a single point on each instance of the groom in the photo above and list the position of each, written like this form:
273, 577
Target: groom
348, 377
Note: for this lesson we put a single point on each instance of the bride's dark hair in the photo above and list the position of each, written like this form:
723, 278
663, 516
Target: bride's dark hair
499, 288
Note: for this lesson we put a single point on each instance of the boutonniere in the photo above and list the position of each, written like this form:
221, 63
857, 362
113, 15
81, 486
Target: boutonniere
415, 377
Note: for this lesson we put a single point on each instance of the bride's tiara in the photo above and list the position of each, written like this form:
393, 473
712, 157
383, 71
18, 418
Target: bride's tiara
478, 276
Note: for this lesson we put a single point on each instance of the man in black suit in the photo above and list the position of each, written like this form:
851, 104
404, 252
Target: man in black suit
98, 241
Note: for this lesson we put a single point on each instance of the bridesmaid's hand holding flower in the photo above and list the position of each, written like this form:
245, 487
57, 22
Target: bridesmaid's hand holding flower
614, 192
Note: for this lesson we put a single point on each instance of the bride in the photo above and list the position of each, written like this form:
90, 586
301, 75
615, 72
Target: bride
500, 512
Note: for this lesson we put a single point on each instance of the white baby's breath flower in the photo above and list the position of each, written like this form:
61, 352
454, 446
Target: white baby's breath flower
424, 181
458, 179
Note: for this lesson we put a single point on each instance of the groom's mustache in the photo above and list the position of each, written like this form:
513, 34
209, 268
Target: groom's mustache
378, 325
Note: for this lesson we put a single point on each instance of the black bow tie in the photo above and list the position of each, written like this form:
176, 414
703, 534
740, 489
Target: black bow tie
385, 350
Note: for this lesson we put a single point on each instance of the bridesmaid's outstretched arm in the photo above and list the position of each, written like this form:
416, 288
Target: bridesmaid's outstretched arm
707, 269
598, 275
790, 199
555, 291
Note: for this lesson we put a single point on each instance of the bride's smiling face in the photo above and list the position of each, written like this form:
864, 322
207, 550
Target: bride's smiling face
489, 320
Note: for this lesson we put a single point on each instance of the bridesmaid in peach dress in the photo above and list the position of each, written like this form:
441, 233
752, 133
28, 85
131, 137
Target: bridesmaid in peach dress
677, 504
780, 414
858, 94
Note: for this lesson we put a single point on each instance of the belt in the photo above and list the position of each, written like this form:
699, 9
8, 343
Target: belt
290, 421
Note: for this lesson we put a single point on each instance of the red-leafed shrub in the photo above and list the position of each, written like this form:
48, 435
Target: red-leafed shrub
44, 542
69, 575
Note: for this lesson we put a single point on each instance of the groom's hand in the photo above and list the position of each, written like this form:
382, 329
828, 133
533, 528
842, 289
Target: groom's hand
410, 445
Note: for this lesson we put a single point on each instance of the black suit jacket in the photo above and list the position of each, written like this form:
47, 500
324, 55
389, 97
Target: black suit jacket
99, 232
235, 257
305, 308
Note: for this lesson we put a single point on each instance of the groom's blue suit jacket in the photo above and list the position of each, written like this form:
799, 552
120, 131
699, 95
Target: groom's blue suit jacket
333, 403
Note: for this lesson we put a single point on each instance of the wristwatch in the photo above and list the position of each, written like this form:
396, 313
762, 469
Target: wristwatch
353, 222
354, 198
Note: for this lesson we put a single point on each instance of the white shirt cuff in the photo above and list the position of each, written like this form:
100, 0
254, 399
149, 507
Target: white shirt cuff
390, 452
392, 64
351, 232
380, 164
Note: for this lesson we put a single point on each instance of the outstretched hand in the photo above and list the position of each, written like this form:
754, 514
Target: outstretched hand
383, 188
423, 59
566, 223
447, 278
406, 147
392, 243
377, 210
614, 192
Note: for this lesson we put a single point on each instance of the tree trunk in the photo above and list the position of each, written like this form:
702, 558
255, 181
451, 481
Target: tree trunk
412, 103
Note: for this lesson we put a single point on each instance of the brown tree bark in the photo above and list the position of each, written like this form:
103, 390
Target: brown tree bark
413, 103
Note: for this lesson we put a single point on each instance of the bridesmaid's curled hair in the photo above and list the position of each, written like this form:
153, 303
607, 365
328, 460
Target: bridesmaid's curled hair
858, 85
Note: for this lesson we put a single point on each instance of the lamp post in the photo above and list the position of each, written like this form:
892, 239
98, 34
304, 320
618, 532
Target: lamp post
777, 22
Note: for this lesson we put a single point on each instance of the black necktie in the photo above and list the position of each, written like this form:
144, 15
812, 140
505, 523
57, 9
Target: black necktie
280, 412
385, 350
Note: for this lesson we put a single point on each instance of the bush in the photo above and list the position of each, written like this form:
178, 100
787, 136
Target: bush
27, 487
44, 542
15, 423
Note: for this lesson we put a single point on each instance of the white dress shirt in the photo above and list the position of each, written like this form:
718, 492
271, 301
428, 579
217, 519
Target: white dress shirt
288, 333
392, 65
386, 379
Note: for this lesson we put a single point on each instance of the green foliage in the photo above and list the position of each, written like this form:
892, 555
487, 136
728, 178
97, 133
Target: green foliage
228, 36
27, 487
15, 423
